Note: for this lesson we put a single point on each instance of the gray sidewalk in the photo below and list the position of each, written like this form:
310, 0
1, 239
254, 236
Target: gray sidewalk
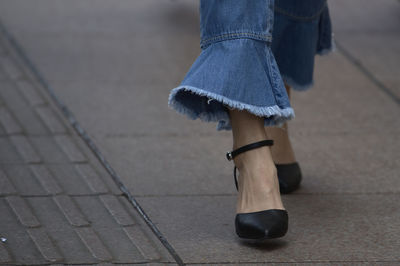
57, 204
113, 63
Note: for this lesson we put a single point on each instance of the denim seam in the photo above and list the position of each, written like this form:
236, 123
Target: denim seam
283, 12
239, 35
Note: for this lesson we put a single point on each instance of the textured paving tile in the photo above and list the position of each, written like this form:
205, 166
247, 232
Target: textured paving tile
10, 67
23, 179
9, 153
25, 149
117, 210
51, 120
17, 105
92, 178
118, 242
46, 179
93, 243
67, 176
30, 93
71, 210
22, 211
8, 122
45, 244
6, 187
19, 244
4, 255
59, 228
141, 241
70, 148
322, 228
48, 149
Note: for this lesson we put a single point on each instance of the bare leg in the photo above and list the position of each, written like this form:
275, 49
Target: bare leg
282, 151
258, 182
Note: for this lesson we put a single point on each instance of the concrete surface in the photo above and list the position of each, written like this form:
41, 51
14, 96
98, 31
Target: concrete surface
114, 62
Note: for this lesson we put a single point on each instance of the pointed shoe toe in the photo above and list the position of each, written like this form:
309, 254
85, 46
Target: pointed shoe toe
289, 176
262, 225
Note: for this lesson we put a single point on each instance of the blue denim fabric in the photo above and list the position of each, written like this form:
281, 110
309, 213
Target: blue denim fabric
302, 29
236, 68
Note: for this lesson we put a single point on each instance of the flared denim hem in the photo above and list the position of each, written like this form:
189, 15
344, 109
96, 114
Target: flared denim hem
274, 115
302, 29
239, 74
291, 81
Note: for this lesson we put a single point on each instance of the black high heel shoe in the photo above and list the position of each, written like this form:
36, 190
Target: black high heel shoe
260, 225
289, 176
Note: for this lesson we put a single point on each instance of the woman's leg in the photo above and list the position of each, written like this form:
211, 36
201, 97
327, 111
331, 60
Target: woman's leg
282, 151
258, 182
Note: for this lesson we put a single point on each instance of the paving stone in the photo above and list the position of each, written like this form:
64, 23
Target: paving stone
8, 122
60, 230
22, 211
113, 235
8, 152
46, 179
19, 245
49, 117
10, 67
69, 147
92, 178
30, 93
69, 179
4, 255
46, 246
48, 149
70, 210
117, 210
142, 243
25, 149
23, 180
19, 108
94, 243
321, 228
6, 187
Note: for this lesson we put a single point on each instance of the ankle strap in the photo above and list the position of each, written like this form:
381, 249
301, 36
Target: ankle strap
234, 153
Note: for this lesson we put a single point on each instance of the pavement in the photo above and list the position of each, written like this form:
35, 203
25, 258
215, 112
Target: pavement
113, 63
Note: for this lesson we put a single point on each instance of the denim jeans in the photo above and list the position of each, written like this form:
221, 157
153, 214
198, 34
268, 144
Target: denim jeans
236, 68
301, 30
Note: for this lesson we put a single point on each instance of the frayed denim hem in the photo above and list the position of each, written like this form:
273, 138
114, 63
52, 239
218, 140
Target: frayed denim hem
303, 87
274, 115
296, 86
329, 50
